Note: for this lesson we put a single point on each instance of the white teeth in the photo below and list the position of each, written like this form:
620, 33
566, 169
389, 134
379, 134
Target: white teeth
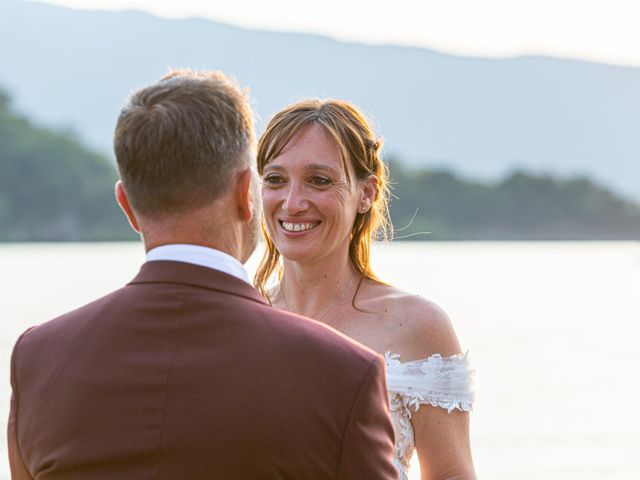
298, 227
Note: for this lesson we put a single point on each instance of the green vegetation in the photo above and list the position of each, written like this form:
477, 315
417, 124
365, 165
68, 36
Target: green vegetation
52, 188
520, 207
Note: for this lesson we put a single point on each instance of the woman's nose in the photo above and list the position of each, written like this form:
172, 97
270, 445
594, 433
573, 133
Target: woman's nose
295, 200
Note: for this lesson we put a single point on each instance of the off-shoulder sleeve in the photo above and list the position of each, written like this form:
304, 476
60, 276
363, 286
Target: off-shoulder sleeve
445, 382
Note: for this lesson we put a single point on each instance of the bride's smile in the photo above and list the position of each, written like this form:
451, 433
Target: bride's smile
297, 226
311, 196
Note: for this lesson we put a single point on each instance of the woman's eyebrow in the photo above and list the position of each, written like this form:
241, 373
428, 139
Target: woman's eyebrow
310, 166
270, 167
319, 166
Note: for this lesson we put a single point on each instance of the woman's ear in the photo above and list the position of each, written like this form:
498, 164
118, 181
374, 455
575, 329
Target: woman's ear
125, 205
368, 194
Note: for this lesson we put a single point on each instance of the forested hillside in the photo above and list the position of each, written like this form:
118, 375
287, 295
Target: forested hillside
52, 188
520, 207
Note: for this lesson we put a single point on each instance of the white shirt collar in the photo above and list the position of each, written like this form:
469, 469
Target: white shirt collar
199, 255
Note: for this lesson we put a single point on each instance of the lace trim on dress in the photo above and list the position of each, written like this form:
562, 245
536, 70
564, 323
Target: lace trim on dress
437, 381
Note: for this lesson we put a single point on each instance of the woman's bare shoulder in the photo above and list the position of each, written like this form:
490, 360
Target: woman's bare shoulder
420, 326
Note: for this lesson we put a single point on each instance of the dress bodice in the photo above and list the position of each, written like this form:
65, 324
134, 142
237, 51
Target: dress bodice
444, 382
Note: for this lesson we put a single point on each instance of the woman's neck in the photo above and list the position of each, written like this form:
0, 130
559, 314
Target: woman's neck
314, 289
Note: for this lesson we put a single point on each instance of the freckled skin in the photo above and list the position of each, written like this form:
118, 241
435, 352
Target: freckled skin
307, 182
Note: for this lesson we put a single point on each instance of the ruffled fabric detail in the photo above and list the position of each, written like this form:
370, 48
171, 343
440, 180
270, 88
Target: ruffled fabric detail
436, 381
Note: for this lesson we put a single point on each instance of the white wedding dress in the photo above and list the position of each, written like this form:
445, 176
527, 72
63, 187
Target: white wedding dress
443, 382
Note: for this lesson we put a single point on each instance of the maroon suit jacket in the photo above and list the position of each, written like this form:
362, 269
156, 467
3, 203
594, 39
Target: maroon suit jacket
188, 373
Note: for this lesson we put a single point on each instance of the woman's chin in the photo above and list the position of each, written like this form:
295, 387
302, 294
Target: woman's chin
297, 253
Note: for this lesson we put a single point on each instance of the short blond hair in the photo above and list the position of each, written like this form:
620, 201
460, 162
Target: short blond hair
179, 141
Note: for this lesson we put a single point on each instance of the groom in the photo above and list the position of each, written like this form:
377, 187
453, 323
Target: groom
187, 372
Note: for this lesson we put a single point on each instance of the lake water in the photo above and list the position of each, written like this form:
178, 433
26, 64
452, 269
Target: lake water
553, 330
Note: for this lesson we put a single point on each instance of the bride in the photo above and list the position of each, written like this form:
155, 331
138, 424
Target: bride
325, 196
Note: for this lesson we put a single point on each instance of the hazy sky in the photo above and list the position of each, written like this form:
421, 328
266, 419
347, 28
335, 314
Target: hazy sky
600, 30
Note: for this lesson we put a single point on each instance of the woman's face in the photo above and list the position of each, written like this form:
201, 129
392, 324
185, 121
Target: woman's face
309, 206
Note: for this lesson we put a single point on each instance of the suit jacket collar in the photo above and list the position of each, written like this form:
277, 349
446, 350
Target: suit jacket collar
166, 271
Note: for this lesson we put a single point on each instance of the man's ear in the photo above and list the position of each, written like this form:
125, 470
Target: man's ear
244, 194
125, 205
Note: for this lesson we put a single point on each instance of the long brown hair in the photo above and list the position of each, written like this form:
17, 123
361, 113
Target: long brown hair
359, 146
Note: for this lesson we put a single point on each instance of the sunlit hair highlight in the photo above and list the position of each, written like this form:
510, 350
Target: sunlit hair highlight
180, 141
360, 147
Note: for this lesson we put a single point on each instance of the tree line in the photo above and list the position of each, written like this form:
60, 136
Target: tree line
521, 206
54, 188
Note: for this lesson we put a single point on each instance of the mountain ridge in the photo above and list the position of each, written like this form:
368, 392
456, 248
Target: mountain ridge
480, 117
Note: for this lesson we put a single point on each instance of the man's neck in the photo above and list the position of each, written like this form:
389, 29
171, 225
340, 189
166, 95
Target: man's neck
211, 226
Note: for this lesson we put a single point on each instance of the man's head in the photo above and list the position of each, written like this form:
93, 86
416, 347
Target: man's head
184, 148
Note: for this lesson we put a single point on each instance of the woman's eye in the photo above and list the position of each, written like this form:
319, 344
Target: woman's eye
320, 181
273, 180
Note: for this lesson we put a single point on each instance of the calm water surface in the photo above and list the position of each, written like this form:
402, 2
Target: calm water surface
553, 330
